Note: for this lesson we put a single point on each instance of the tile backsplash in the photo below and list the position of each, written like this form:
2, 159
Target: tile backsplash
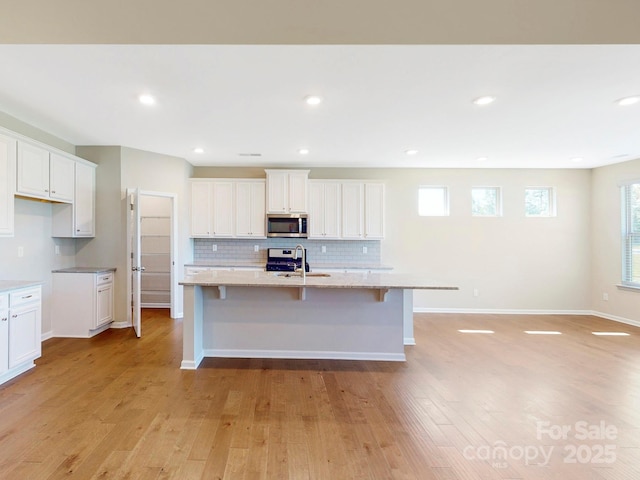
337, 251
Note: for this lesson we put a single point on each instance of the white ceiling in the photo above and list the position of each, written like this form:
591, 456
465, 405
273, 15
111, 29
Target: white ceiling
553, 103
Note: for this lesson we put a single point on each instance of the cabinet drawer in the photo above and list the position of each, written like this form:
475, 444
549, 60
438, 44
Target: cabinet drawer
4, 301
20, 297
104, 278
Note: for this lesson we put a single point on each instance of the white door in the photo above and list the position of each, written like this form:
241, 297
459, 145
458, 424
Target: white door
136, 267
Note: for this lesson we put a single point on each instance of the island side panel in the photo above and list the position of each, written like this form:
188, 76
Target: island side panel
407, 314
336, 323
192, 352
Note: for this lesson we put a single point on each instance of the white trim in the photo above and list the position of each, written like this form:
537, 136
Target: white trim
409, 341
46, 335
120, 325
496, 311
304, 354
615, 318
631, 288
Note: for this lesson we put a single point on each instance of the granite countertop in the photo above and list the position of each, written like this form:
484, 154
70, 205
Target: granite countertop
219, 278
314, 265
6, 285
85, 270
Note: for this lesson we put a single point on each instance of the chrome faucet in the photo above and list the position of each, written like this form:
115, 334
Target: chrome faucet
304, 260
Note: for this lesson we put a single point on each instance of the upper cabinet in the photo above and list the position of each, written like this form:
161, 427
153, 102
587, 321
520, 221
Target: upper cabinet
7, 183
77, 220
363, 210
45, 175
325, 209
287, 191
211, 208
250, 209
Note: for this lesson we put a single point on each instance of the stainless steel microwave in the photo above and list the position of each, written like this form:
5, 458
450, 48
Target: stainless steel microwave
287, 225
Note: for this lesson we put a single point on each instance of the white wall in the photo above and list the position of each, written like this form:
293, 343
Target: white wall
606, 272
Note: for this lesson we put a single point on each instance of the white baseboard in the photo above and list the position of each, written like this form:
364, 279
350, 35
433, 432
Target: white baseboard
312, 355
120, 325
615, 318
46, 335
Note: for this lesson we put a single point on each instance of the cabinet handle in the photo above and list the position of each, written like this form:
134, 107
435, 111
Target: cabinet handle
105, 278
4, 319
14, 316
25, 297
46, 190
53, 191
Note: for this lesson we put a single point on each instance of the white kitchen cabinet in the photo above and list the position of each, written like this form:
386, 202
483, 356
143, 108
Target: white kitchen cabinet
325, 209
212, 208
44, 175
287, 191
250, 209
82, 302
7, 183
77, 219
20, 330
363, 210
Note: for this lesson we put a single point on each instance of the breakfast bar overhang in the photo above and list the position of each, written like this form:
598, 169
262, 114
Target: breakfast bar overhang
348, 316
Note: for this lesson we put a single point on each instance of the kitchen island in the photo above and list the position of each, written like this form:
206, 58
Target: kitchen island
352, 316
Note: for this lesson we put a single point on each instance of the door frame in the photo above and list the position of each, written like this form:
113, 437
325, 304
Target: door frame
174, 249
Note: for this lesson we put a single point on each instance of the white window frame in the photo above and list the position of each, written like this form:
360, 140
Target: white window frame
552, 201
498, 210
445, 198
629, 236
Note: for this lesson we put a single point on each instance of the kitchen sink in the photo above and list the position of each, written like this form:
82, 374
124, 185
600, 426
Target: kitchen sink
296, 274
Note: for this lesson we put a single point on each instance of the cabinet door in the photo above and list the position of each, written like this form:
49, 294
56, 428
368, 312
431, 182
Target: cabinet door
104, 304
61, 178
249, 207
33, 171
352, 210
298, 192
223, 209
201, 209
332, 209
316, 210
374, 211
84, 204
277, 192
24, 334
7, 183
4, 340
258, 209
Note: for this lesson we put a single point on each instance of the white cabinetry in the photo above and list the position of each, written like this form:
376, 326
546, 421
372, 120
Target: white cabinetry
44, 175
7, 183
20, 330
250, 209
363, 210
77, 219
82, 302
325, 210
287, 191
211, 208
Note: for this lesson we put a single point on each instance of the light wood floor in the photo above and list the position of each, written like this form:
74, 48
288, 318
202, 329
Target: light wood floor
119, 407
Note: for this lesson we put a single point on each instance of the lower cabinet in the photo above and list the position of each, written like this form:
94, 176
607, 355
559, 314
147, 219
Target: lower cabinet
20, 330
82, 303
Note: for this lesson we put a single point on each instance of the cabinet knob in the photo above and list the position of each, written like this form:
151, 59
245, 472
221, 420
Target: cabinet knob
4, 319
14, 316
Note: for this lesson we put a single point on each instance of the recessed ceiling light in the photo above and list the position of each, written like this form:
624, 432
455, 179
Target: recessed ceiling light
624, 102
411, 152
486, 100
482, 159
198, 150
313, 100
146, 99
577, 159
303, 151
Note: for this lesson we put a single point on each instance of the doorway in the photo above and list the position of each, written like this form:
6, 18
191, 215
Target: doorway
152, 247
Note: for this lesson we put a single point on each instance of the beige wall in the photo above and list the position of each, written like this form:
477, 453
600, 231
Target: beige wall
606, 271
515, 263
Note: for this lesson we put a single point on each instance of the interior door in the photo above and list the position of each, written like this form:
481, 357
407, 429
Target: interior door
136, 267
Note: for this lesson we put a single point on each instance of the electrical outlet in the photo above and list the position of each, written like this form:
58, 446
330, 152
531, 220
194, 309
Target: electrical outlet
476, 292
256, 248
324, 249
605, 297
364, 249
20, 251
214, 248
57, 249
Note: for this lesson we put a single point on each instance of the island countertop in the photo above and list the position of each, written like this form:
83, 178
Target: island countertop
219, 278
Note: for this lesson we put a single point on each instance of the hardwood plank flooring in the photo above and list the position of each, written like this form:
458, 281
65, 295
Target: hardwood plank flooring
463, 407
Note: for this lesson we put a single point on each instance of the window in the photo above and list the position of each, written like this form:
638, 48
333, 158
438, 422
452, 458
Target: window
631, 234
433, 201
486, 202
539, 202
